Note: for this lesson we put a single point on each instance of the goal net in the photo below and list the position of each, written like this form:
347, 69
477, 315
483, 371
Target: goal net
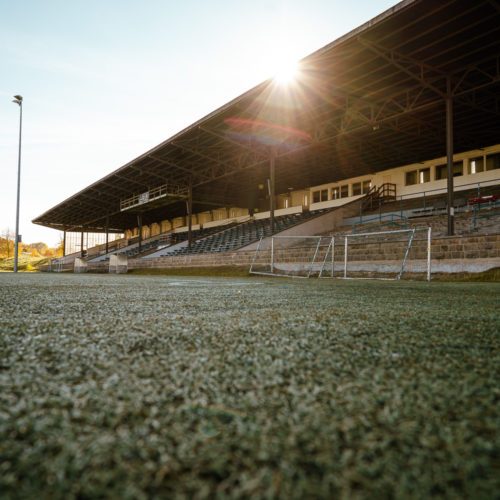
376, 255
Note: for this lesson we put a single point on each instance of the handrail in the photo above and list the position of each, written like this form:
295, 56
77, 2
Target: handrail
379, 194
444, 189
392, 218
484, 212
154, 194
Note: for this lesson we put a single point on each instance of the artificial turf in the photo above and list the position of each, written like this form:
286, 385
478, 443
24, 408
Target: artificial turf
154, 386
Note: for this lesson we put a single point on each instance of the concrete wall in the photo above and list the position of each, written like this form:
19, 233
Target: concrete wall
449, 254
322, 224
118, 264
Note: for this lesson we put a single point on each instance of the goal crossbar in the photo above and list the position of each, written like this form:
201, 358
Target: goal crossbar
315, 243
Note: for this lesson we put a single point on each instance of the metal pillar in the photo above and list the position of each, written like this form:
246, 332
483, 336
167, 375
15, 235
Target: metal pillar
139, 223
81, 244
18, 100
107, 234
189, 204
272, 187
64, 243
449, 157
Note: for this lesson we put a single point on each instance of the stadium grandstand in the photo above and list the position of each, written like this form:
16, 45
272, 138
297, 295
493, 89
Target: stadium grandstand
396, 123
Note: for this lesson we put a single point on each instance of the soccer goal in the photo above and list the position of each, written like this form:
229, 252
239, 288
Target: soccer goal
386, 255
294, 256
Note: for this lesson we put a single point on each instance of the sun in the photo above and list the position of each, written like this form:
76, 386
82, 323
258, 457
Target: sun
286, 71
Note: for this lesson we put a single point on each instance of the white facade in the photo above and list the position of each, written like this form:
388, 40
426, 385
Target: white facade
472, 169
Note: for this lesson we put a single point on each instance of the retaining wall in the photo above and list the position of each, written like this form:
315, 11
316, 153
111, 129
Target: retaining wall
463, 251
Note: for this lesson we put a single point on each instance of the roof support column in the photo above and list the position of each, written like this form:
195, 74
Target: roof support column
107, 233
189, 205
139, 223
81, 244
449, 157
64, 243
272, 161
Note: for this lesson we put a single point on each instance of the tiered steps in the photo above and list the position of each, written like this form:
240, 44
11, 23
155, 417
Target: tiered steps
241, 235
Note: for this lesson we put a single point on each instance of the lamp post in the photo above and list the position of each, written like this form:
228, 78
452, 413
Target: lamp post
19, 101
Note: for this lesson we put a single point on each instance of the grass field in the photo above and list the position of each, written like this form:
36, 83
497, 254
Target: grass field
155, 386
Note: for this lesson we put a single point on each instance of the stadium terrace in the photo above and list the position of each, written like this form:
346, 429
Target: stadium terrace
395, 121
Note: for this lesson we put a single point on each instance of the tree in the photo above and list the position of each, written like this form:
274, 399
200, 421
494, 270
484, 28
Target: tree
7, 243
60, 247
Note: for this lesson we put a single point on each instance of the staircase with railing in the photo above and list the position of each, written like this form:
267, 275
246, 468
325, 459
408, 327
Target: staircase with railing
378, 195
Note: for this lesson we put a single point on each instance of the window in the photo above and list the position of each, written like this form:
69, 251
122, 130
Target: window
356, 188
493, 161
335, 193
458, 168
320, 195
366, 186
344, 191
410, 178
476, 165
424, 175
441, 172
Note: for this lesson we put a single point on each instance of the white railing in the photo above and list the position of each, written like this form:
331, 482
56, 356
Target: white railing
163, 191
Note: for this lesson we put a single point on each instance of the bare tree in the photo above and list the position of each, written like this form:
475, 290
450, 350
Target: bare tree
8, 236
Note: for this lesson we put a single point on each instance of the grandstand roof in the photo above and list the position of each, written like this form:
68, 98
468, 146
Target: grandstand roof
371, 100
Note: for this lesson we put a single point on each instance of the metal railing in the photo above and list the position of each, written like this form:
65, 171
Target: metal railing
171, 190
424, 195
391, 219
484, 211
461, 187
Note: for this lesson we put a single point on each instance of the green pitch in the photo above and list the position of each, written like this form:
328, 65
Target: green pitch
143, 386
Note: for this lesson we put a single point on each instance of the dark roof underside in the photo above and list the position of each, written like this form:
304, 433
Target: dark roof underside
372, 100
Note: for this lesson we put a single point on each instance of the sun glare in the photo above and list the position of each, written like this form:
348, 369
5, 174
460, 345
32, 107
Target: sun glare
286, 72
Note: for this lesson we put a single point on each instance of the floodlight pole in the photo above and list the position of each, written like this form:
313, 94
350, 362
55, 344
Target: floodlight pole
19, 101
272, 161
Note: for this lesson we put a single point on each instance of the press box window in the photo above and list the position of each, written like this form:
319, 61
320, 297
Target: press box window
335, 193
476, 165
366, 186
356, 188
411, 178
441, 172
458, 169
493, 161
320, 195
424, 175
344, 191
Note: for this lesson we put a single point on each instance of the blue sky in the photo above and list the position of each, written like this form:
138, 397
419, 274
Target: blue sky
103, 81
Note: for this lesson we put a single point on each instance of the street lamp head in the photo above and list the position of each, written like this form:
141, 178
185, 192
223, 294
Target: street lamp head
18, 99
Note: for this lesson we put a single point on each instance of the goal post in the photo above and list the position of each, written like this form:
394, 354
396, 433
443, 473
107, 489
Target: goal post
294, 256
386, 255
